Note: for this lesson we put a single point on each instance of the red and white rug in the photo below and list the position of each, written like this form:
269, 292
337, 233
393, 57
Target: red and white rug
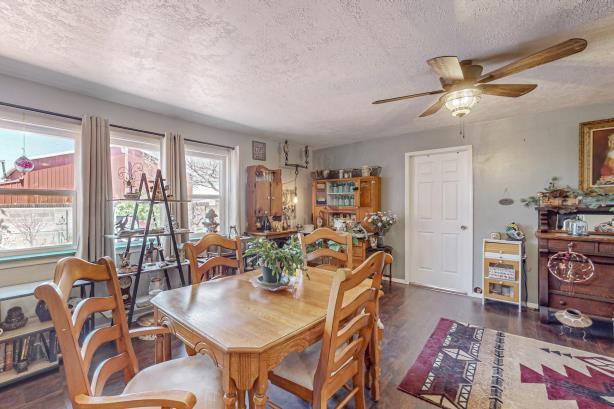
467, 367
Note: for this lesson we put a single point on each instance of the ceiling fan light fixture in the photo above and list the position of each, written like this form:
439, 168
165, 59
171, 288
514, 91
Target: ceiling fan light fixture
460, 102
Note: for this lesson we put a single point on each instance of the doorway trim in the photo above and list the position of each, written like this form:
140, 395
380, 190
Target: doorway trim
409, 274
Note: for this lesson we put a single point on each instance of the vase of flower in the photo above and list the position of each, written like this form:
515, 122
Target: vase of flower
380, 223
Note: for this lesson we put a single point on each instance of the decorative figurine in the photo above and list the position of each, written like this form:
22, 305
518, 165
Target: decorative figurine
124, 285
513, 231
42, 312
121, 223
15, 319
124, 260
128, 176
210, 224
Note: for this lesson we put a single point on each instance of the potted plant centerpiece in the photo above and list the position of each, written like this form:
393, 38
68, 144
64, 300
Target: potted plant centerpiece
380, 222
278, 263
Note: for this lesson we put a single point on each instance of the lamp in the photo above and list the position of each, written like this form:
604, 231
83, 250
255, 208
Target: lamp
460, 102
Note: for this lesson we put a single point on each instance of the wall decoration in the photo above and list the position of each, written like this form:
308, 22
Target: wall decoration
258, 150
597, 154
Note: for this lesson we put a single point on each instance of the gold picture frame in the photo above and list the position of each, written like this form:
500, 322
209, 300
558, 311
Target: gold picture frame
597, 155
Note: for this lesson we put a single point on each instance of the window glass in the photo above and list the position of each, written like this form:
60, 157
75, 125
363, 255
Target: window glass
131, 156
37, 196
206, 171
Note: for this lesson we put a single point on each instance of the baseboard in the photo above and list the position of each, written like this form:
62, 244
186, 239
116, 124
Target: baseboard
532, 306
399, 281
476, 295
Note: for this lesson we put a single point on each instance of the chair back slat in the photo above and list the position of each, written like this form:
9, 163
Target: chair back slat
71, 269
356, 304
87, 307
201, 272
348, 327
325, 255
107, 368
77, 358
95, 339
345, 354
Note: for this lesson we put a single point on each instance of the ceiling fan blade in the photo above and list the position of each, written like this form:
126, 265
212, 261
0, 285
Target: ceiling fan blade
433, 108
470, 71
422, 94
564, 49
507, 90
448, 68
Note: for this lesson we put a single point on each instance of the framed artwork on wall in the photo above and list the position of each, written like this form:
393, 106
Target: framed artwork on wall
258, 150
597, 154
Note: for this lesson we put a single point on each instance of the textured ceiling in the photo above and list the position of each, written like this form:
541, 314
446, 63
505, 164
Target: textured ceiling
306, 70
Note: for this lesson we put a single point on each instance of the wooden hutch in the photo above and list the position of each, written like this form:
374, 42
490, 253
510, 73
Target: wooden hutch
349, 198
264, 197
596, 296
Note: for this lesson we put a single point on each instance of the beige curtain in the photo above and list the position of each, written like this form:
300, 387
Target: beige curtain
234, 208
173, 156
94, 188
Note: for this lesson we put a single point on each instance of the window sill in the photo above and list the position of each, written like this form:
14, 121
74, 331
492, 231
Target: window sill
33, 259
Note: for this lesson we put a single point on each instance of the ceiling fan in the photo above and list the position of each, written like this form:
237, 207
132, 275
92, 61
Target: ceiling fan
463, 82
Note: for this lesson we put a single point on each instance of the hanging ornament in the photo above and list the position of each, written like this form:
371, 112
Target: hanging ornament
23, 163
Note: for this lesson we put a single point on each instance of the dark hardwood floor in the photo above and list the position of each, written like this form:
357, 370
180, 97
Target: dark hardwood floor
409, 314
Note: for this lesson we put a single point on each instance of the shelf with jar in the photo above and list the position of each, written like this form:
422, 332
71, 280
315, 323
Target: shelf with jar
345, 199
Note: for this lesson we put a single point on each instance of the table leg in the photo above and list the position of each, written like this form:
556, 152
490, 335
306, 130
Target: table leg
260, 397
230, 395
390, 278
241, 399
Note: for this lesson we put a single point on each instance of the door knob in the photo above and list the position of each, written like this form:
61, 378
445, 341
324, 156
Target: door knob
463, 227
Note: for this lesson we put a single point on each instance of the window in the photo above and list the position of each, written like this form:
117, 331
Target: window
207, 176
37, 207
131, 156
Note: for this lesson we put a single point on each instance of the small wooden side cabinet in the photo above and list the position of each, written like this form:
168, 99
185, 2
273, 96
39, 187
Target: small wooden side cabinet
502, 271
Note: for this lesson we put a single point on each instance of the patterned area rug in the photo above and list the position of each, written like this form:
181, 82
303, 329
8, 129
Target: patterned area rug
464, 366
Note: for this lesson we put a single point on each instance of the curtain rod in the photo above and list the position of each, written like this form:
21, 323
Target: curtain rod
75, 118
126, 128
210, 143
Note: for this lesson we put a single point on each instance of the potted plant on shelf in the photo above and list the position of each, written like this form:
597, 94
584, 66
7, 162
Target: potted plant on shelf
380, 222
278, 263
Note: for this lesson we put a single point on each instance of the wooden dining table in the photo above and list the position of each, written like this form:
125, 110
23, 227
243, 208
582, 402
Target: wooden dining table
246, 330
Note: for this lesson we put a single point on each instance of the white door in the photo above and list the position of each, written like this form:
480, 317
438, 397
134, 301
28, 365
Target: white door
440, 219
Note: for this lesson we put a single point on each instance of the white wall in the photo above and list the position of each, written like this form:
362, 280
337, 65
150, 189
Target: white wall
519, 154
21, 92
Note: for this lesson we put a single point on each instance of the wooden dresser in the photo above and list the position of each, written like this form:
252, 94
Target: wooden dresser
596, 296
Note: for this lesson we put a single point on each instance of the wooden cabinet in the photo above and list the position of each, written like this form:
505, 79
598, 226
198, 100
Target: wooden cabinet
350, 198
264, 194
594, 297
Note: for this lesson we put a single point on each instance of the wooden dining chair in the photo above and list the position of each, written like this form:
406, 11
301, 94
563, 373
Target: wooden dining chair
374, 351
321, 370
185, 383
207, 270
322, 257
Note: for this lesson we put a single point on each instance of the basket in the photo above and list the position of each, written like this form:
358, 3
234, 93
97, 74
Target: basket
376, 170
317, 174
